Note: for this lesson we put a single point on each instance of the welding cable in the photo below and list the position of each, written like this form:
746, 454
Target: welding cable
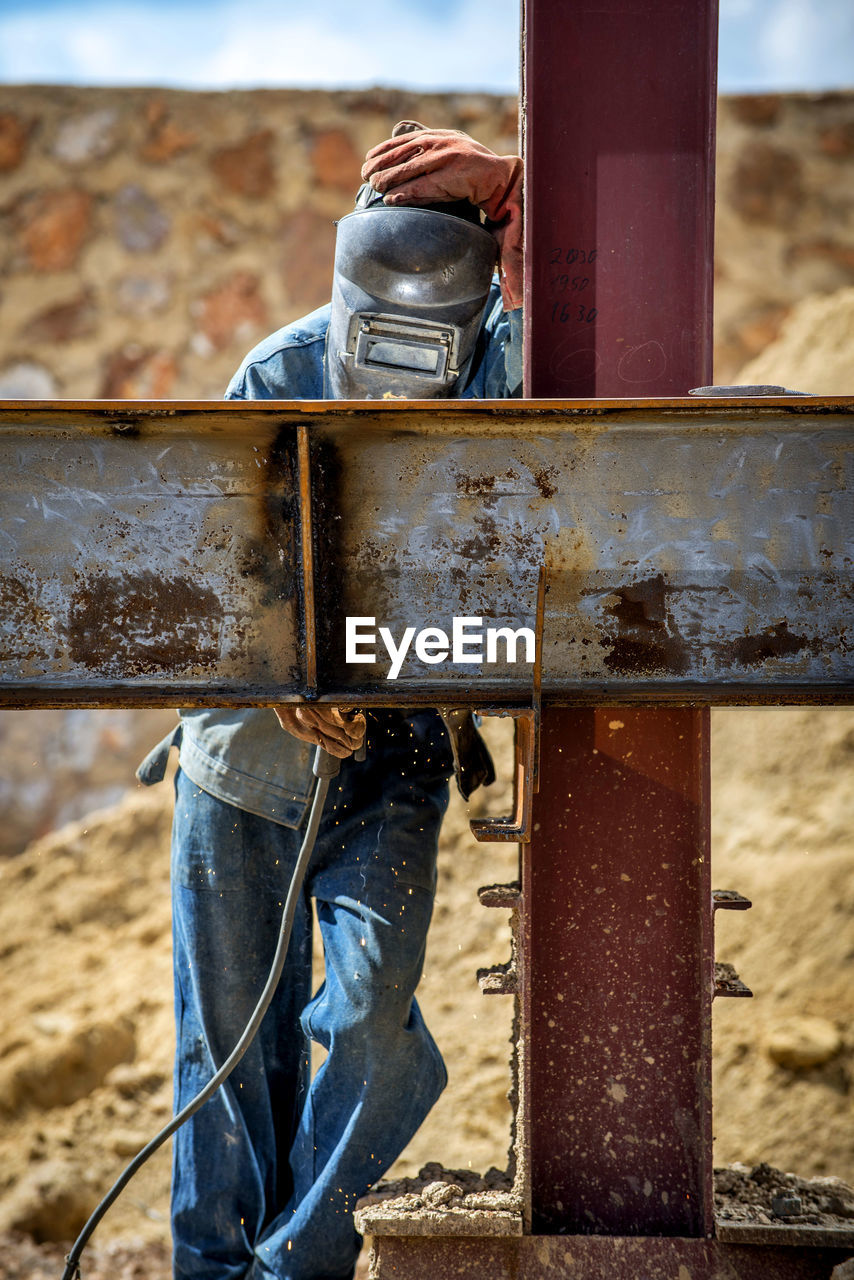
325, 768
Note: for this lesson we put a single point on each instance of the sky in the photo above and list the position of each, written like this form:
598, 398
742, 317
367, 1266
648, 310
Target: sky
421, 44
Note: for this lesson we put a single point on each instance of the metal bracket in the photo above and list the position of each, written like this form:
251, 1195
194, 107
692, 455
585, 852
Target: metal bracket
517, 825
526, 772
725, 980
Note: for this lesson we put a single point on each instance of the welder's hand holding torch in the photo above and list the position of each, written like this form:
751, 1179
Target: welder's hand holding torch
417, 166
337, 730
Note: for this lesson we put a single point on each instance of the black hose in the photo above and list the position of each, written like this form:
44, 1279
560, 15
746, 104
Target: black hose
325, 768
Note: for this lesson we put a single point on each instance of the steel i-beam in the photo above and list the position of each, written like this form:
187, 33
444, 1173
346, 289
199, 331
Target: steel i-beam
690, 551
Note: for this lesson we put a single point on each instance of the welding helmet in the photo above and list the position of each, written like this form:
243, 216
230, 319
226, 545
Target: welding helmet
408, 296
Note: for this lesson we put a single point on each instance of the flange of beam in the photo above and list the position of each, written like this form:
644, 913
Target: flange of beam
594, 1258
696, 551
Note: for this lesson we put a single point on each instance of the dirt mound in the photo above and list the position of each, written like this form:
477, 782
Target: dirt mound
766, 1195
23, 1259
58, 766
815, 349
85, 1027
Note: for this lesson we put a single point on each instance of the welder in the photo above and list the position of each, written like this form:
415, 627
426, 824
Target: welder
266, 1175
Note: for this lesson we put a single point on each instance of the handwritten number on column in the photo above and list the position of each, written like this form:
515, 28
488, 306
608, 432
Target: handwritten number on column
569, 311
569, 257
564, 282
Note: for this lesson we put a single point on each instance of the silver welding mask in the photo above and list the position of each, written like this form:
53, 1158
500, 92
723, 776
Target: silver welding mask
408, 296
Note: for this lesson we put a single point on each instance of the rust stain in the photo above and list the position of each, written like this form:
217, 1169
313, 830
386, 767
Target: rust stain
475, 486
483, 543
372, 556
24, 620
143, 624
641, 605
645, 658
346, 578
459, 580
774, 642
643, 645
271, 557
545, 479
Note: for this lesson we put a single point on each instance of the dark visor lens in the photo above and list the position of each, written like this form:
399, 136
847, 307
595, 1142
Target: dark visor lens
403, 355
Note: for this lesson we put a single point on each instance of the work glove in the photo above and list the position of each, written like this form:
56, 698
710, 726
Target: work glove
418, 166
473, 765
338, 732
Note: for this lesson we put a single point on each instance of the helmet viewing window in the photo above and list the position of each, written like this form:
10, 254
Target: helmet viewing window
419, 347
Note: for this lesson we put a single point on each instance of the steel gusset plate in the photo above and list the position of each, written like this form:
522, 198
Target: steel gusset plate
211, 552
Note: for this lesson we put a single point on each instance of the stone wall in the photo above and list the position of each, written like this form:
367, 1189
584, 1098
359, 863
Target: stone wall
149, 237
785, 214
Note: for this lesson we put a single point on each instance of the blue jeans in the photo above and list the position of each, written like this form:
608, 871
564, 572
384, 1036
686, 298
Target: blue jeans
267, 1173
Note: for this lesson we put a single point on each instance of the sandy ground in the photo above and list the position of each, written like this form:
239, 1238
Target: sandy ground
85, 987
813, 351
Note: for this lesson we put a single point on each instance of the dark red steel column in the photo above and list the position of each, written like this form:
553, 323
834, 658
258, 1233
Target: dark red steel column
616, 960
619, 168
618, 968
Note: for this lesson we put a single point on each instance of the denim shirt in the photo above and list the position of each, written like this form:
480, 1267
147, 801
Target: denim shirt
244, 757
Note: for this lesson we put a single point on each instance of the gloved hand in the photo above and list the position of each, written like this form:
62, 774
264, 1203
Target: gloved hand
417, 166
473, 765
338, 733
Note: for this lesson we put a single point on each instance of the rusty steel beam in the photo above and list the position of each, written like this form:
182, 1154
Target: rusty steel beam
593, 1258
146, 551
692, 551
